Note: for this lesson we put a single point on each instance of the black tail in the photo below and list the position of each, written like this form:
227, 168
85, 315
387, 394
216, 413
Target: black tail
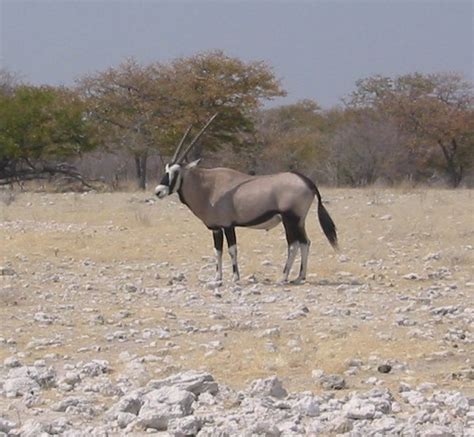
327, 225
325, 220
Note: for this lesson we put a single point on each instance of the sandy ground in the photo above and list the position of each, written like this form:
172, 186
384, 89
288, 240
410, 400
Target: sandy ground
119, 272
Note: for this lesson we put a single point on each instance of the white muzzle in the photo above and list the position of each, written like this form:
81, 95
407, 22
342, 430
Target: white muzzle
162, 191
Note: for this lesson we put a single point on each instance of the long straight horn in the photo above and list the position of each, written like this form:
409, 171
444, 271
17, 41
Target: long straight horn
193, 142
180, 145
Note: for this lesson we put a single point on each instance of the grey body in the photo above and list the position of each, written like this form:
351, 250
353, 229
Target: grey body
223, 199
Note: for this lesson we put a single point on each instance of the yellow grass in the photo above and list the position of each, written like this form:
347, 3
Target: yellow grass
127, 240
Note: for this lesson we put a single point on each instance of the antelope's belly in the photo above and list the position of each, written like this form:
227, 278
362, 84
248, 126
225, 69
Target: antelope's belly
268, 224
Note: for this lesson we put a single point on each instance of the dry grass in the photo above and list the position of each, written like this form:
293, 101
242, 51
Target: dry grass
130, 241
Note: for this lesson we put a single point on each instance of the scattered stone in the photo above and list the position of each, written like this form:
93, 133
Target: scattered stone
359, 409
7, 271
194, 381
6, 425
11, 362
44, 318
268, 387
185, 426
164, 404
271, 333
332, 382
412, 277
95, 368
308, 406
384, 368
129, 288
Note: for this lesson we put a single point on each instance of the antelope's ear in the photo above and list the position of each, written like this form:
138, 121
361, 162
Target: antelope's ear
193, 163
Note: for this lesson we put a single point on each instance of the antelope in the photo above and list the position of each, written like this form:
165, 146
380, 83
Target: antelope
224, 199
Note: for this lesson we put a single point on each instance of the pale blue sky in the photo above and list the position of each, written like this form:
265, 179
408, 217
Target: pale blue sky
317, 48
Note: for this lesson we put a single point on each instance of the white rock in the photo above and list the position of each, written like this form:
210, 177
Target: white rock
412, 277
270, 333
162, 405
69, 402
95, 368
385, 425
124, 419
332, 382
413, 397
308, 405
6, 425
194, 381
130, 403
20, 386
44, 318
434, 430
358, 408
266, 428
11, 362
71, 378
268, 387
184, 426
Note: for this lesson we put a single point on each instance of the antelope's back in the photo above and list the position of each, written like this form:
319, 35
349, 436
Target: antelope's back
276, 193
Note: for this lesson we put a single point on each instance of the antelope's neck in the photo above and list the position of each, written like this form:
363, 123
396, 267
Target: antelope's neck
194, 192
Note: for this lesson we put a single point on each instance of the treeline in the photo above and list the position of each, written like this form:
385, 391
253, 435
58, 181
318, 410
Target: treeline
417, 126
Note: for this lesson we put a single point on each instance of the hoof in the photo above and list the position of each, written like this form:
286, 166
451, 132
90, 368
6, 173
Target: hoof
298, 281
212, 285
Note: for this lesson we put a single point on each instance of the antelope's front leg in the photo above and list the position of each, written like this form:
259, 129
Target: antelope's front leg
232, 244
218, 236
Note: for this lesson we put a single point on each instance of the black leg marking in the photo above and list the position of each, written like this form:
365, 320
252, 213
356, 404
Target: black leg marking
218, 236
232, 244
294, 229
230, 236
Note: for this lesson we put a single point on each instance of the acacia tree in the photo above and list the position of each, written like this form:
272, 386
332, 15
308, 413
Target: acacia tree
292, 136
436, 110
39, 128
145, 109
364, 148
213, 82
131, 107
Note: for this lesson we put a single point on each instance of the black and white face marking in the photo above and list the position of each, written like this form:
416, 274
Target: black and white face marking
171, 181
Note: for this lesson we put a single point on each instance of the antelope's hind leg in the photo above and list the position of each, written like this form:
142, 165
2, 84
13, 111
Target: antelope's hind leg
290, 223
305, 243
232, 244
292, 252
218, 237
297, 239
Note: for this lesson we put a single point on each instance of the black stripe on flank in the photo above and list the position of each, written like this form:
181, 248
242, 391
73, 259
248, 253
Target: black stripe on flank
260, 219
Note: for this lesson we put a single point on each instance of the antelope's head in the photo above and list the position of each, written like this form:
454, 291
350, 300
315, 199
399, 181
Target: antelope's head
173, 177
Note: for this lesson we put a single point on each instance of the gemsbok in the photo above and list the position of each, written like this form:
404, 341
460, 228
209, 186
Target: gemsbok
224, 199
